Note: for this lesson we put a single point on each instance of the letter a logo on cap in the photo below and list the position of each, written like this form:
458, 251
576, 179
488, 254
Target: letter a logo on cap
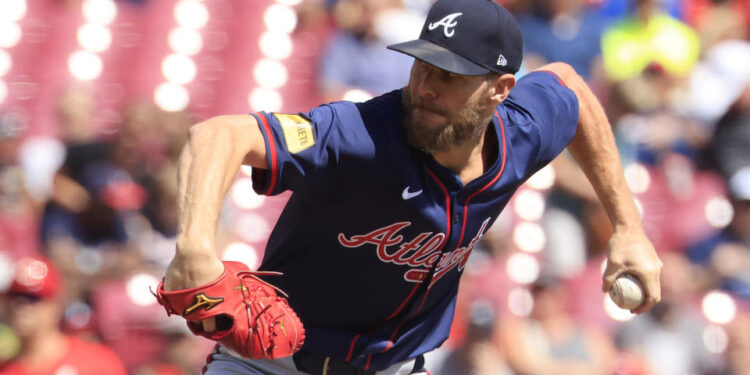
448, 23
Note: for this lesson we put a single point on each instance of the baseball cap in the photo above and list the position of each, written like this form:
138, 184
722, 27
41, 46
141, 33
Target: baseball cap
468, 37
37, 277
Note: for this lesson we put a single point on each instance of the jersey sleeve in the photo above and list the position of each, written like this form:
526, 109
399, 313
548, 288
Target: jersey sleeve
548, 112
306, 152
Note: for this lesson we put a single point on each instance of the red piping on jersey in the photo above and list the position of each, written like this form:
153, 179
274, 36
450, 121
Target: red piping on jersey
466, 209
354, 341
554, 75
272, 146
445, 241
351, 348
502, 168
402, 303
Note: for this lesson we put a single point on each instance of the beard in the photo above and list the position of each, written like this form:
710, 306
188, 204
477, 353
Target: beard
469, 124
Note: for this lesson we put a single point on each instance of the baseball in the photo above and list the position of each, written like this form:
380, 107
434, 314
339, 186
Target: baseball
627, 292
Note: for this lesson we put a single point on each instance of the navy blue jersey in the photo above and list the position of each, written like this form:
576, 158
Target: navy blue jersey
371, 217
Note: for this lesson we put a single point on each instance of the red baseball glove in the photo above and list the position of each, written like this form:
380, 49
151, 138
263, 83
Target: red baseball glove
251, 318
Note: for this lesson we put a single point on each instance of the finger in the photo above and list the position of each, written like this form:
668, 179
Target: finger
608, 278
209, 324
647, 304
652, 290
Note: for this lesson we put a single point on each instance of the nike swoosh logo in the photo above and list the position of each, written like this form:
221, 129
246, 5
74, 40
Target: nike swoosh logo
406, 194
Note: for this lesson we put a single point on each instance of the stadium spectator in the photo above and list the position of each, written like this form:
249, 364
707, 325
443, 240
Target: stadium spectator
356, 57
34, 301
725, 256
18, 208
479, 354
563, 30
670, 337
549, 341
646, 36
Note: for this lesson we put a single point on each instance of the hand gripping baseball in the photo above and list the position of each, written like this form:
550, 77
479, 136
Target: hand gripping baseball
251, 318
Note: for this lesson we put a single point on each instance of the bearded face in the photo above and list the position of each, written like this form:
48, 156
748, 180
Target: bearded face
432, 129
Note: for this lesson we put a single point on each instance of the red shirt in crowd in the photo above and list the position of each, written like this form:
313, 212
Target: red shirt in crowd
80, 358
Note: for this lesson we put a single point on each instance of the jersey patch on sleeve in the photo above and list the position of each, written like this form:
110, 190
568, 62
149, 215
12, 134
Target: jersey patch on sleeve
298, 132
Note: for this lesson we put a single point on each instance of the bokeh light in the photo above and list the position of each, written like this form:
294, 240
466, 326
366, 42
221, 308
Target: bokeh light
85, 65
6, 269
178, 69
244, 196
715, 339
241, 252
263, 99
10, 34
522, 268
94, 37
6, 63
171, 97
637, 177
270, 74
529, 237
3, 91
638, 206
252, 227
191, 13
139, 287
280, 18
719, 307
12, 10
275, 45
719, 212
246, 170
101, 12
78, 315
543, 179
357, 96
529, 204
615, 312
185, 41
289, 2
520, 302
89, 261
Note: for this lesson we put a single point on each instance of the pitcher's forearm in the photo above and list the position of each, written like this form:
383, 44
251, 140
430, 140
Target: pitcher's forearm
208, 165
594, 148
604, 171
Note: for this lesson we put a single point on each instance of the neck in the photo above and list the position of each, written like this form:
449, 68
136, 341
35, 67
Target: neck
470, 159
45, 347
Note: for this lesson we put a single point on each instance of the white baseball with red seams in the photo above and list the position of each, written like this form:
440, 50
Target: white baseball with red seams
627, 292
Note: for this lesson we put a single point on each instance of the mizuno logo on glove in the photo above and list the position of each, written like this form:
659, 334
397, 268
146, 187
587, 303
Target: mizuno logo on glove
202, 300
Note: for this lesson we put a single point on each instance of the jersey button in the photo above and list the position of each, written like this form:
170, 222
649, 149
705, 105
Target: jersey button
456, 219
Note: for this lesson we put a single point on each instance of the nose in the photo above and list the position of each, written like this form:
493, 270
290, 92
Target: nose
424, 80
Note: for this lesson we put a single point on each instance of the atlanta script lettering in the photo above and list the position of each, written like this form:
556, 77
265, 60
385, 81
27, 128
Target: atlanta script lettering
420, 253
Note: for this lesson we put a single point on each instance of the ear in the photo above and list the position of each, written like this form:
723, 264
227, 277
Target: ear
500, 86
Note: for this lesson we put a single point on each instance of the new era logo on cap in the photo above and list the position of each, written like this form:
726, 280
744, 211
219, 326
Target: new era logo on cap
469, 37
502, 61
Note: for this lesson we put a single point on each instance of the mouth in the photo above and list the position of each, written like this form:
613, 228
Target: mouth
429, 110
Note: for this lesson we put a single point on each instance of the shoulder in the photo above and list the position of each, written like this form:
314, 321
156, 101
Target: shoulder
386, 105
538, 90
94, 350
92, 357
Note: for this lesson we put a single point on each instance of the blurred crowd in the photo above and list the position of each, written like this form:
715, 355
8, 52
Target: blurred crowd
88, 218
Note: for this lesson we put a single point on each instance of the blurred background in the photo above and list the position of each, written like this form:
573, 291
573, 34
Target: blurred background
96, 97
